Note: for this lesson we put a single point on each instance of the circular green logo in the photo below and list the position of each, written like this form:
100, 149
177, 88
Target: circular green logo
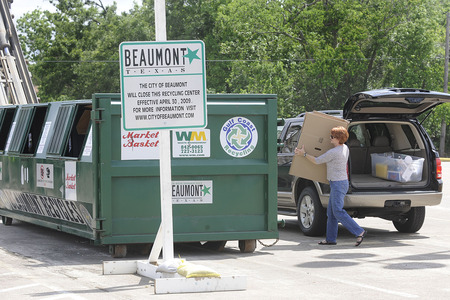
238, 137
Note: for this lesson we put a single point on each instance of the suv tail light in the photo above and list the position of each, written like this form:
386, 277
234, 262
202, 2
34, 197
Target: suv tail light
438, 168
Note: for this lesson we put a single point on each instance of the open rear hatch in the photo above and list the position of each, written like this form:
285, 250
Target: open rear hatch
388, 112
392, 103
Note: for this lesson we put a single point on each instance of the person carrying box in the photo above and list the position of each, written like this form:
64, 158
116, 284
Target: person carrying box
336, 161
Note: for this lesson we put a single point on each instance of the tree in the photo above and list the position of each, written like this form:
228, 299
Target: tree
99, 69
55, 41
75, 50
313, 54
330, 49
196, 20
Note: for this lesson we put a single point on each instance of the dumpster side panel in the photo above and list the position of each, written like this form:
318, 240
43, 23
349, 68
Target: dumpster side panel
35, 185
78, 182
241, 190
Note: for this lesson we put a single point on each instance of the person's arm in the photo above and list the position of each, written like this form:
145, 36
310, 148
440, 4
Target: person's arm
302, 152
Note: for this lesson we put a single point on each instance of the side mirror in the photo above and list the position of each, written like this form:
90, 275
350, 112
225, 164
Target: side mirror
279, 145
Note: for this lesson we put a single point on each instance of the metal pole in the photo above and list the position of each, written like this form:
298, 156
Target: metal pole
165, 164
447, 33
443, 123
160, 20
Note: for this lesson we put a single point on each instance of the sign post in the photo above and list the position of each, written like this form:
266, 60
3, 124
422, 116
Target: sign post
163, 86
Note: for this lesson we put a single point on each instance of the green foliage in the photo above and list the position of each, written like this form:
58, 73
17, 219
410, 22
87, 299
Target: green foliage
312, 54
75, 49
332, 49
433, 122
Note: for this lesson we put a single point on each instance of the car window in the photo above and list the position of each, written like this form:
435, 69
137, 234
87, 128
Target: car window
280, 126
410, 136
292, 137
279, 130
377, 129
357, 131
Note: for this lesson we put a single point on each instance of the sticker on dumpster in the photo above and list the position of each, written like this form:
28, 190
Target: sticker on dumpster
44, 175
195, 143
71, 180
41, 205
24, 175
88, 146
139, 144
192, 192
238, 137
44, 136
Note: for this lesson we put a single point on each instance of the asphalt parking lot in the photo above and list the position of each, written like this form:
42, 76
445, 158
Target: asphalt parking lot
38, 263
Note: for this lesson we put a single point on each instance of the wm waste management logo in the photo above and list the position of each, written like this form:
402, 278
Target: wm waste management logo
238, 137
195, 143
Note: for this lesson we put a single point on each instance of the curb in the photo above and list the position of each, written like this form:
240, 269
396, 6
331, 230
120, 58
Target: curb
445, 158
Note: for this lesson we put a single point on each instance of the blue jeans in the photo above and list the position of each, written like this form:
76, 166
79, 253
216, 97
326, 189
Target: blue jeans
336, 213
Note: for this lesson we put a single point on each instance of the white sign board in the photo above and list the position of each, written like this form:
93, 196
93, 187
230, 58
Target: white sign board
139, 144
191, 143
44, 175
70, 179
163, 85
192, 192
44, 136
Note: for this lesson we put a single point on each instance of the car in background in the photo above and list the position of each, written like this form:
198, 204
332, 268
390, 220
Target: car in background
382, 123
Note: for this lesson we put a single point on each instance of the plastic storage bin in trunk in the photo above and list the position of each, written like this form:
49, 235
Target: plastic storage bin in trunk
397, 167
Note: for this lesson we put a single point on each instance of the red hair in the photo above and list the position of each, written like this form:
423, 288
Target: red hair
340, 133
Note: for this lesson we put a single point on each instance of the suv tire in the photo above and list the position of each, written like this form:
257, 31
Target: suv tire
312, 218
414, 220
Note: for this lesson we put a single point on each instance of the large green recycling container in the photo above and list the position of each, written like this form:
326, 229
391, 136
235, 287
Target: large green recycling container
70, 166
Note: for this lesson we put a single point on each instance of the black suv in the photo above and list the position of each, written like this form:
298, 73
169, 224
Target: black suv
383, 126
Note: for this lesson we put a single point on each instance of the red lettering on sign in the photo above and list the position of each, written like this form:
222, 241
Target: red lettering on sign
147, 135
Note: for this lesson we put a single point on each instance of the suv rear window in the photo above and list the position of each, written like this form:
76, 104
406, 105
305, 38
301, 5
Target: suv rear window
377, 129
410, 136
357, 132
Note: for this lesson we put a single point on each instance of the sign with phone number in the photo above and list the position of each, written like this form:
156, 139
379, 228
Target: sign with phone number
194, 149
163, 85
195, 143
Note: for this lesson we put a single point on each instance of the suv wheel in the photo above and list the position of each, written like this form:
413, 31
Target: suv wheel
312, 218
414, 220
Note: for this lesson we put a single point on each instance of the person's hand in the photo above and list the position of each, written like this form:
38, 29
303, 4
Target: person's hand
300, 151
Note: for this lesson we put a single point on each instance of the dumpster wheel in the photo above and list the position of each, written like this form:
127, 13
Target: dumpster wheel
6, 221
247, 246
118, 251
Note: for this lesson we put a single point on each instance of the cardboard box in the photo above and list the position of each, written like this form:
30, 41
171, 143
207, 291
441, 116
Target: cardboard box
315, 135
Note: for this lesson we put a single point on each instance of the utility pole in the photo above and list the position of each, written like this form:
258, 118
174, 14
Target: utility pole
443, 124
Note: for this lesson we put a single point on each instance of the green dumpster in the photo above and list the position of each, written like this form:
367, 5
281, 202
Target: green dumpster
70, 166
